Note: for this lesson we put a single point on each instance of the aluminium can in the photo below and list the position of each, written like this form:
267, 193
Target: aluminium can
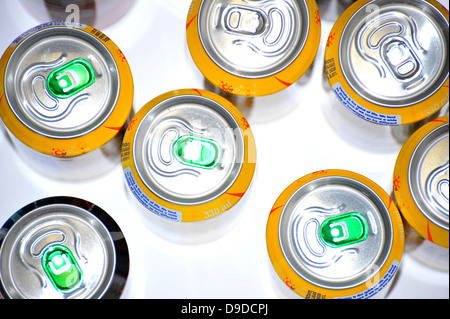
188, 155
253, 48
335, 234
387, 61
62, 248
66, 92
421, 188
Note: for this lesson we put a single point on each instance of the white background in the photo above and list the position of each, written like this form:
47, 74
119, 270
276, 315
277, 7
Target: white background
293, 139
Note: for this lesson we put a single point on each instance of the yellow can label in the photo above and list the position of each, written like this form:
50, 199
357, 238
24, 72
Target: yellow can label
404, 194
76, 146
308, 289
246, 86
179, 212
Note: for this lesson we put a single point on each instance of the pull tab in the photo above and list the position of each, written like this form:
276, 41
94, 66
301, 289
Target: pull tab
196, 151
62, 268
244, 20
344, 230
400, 59
70, 78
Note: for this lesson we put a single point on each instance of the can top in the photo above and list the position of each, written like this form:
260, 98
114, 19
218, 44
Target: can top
424, 199
395, 53
335, 231
253, 48
61, 248
61, 93
253, 40
188, 149
188, 155
62, 82
388, 61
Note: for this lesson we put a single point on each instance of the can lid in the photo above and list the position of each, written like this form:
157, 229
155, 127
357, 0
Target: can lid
180, 142
392, 57
188, 152
73, 98
62, 247
253, 40
421, 181
335, 231
246, 45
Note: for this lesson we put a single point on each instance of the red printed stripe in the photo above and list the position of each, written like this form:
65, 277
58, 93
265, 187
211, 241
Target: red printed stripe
236, 194
275, 209
189, 23
113, 128
429, 232
198, 91
438, 120
283, 82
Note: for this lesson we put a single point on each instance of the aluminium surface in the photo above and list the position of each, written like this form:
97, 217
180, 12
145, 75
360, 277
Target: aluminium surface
183, 116
275, 33
319, 264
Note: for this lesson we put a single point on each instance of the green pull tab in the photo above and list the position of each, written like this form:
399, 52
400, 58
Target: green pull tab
70, 78
196, 151
62, 268
344, 229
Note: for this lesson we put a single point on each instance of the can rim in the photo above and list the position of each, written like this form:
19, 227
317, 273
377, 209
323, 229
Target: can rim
76, 146
196, 212
296, 282
253, 86
403, 193
406, 114
118, 277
